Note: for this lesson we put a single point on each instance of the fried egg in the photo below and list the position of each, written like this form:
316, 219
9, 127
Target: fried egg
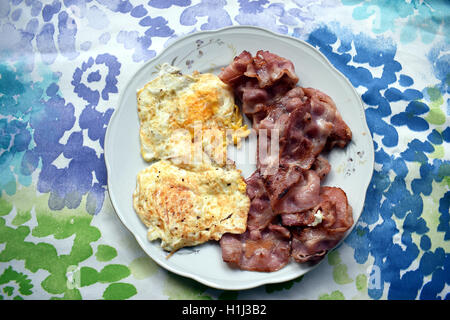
186, 208
175, 106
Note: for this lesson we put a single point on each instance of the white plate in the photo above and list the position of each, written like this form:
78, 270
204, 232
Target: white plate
208, 52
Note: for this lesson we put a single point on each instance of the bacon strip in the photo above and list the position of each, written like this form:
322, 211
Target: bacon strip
260, 213
312, 243
265, 66
259, 81
306, 122
324, 107
265, 251
268, 68
237, 68
301, 196
321, 166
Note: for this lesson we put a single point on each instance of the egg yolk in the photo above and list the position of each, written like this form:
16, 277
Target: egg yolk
201, 105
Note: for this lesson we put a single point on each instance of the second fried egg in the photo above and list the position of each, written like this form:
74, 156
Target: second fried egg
187, 208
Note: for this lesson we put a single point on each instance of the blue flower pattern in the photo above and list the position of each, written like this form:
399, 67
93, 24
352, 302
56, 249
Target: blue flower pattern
392, 232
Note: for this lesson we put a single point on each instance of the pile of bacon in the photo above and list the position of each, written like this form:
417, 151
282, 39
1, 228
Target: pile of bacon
285, 191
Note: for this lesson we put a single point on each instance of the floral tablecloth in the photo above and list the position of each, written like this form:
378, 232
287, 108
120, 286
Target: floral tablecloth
62, 67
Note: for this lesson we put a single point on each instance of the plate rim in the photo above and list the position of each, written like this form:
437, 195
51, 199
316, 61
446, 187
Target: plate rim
255, 283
